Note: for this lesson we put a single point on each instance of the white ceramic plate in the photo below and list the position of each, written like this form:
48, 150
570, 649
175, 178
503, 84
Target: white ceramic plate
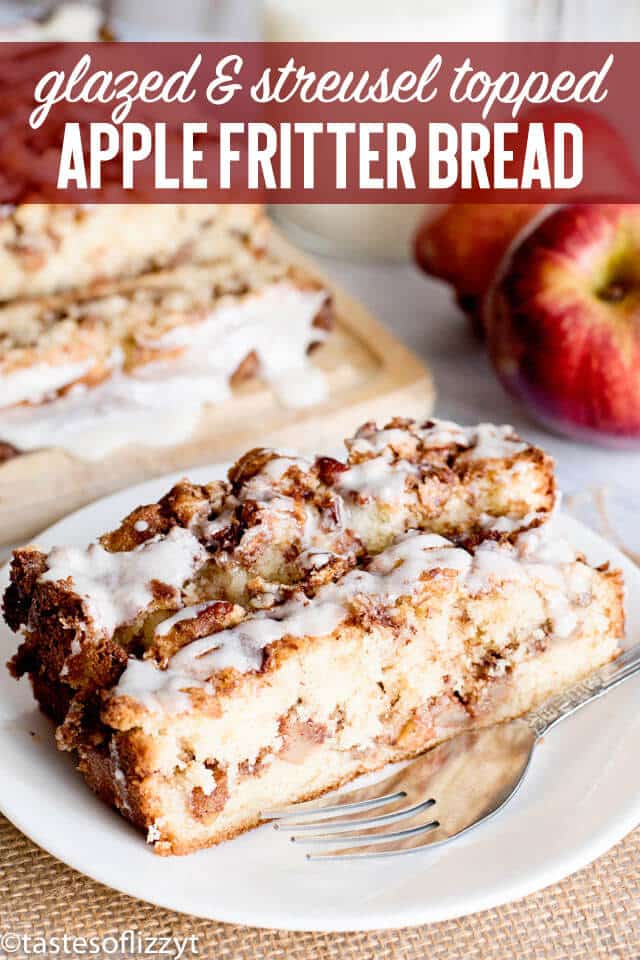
581, 796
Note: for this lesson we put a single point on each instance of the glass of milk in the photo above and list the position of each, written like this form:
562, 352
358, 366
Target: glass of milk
373, 231
189, 20
37, 20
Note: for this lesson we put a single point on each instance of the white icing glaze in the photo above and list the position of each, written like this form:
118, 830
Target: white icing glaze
485, 441
550, 561
396, 571
493, 563
316, 559
511, 524
494, 442
383, 477
156, 689
564, 619
283, 517
162, 404
116, 587
263, 486
241, 647
90, 424
392, 574
140, 526
443, 433
206, 529
276, 468
377, 441
301, 388
36, 383
277, 323
378, 478
541, 546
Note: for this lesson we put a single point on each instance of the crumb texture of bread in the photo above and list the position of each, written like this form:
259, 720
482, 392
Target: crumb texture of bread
256, 641
46, 248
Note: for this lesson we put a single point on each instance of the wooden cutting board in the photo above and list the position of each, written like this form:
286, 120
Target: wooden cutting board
371, 376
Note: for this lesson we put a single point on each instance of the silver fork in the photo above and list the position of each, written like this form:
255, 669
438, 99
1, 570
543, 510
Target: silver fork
446, 791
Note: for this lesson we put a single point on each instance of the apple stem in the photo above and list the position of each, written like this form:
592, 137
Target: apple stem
613, 293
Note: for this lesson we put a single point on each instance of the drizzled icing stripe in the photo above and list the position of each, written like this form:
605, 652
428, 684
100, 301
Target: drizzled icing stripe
161, 403
116, 587
394, 573
484, 441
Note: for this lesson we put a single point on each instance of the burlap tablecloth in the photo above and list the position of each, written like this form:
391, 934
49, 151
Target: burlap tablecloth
593, 914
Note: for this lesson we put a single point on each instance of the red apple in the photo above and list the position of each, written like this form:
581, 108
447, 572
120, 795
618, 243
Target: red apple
465, 244
563, 322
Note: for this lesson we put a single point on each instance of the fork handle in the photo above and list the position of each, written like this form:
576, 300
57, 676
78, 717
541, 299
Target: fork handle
564, 704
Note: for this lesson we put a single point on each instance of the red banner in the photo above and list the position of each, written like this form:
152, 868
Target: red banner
318, 123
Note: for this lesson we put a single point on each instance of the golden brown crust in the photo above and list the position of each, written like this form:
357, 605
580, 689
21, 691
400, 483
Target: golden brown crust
258, 549
26, 567
181, 506
281, 529
430, 723
99, 773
